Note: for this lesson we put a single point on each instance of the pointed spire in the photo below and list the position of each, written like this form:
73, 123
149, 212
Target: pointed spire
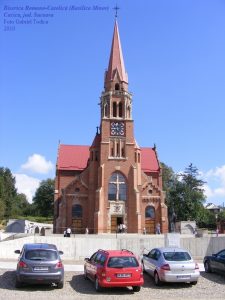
116, 63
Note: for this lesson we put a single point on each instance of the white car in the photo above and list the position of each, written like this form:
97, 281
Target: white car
170, 265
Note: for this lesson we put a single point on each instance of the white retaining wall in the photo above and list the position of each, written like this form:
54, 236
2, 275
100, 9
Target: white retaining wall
80, 246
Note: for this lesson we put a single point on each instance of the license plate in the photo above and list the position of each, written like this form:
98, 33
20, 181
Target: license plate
123, 275
184, 277
40, 268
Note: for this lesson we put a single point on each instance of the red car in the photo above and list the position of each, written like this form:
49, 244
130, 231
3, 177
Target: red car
114, 268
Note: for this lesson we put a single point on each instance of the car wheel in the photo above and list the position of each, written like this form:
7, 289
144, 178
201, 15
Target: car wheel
60, 285
136, 288
18, 284
157, 281
193, 282
98, 288
207, 267
85, 274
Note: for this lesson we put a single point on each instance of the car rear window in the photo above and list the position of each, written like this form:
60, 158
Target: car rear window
176, 256
122, 262
40, 254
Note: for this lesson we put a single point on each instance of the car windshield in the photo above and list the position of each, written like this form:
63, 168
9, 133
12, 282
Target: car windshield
176, 256
40, 254
122, 262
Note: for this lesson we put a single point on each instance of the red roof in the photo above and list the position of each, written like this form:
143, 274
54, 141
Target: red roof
116, 61
149, 161
75, 157
72, 157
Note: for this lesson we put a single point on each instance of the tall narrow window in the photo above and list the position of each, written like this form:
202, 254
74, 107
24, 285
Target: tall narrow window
117, 149
117, 87
150, 212
114, 109
120, 110
77, 211
123, 151
117, 188
96, 155
128, 112
111, 149
139, 157
106, 110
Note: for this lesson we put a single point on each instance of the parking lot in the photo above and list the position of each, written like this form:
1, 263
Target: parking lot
210, 286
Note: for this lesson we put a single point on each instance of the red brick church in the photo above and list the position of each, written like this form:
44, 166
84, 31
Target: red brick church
113, 181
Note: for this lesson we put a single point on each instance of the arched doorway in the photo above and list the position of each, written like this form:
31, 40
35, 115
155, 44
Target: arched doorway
77, 215
150, 219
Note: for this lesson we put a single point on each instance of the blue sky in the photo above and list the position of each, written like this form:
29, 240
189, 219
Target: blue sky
51, 78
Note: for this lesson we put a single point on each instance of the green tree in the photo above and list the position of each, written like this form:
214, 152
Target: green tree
44, 198
193, 197
184, 194
20, 206
7, 191
221, 216
206, 218
168, 177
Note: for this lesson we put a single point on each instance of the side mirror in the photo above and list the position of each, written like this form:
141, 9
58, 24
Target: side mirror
17, 251
87, 259
61, 253
214, 255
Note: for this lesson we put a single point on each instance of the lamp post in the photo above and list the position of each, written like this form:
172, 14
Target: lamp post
217, 229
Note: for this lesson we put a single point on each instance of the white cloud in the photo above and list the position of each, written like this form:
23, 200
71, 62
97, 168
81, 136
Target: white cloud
26, 185
38, 164
215, 186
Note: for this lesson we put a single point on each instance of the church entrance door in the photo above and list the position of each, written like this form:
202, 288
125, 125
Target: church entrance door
77, 225
115, 222
150, 226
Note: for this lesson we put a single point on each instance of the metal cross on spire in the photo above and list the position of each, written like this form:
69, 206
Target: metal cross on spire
116, 9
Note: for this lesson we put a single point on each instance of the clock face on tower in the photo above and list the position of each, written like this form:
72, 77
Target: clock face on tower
117, 128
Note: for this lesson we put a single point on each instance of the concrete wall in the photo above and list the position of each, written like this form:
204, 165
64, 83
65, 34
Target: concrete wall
84, 245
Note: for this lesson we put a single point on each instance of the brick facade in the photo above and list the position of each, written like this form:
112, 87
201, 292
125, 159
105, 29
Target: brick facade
113, 181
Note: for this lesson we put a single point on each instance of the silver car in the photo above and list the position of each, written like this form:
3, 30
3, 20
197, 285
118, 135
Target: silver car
39, 263
170, 265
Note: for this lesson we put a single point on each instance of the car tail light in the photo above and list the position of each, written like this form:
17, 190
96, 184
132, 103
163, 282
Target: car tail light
103, 273
196, 266
22, 264
140, 270
165, 267
59, 265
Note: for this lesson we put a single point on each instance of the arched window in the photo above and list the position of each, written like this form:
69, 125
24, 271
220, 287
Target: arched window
117, 87
128, 112
120, 110
77, 211
106, 110
150, 212
114, 109
117, 187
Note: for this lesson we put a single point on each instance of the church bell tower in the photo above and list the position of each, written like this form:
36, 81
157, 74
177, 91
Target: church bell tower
119, 174
116, 103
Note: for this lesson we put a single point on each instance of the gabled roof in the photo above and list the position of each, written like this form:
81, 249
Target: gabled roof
211, 206
75, 157
149, 161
